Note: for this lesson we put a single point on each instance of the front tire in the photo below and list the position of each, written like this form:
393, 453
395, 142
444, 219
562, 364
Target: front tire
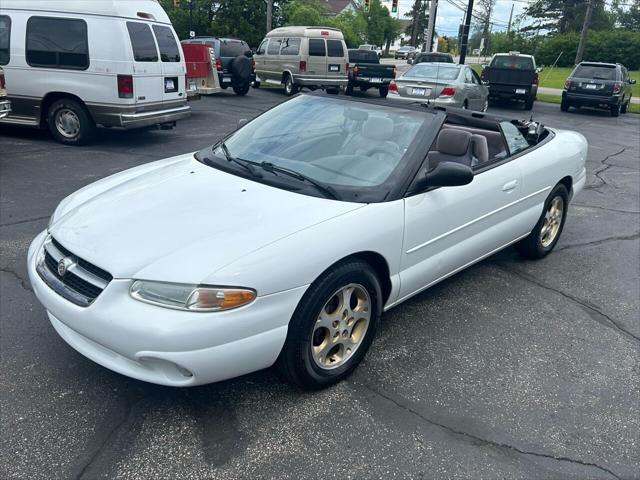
290, 88
545, 235
70, 122
625, 107
333, 326
384, 91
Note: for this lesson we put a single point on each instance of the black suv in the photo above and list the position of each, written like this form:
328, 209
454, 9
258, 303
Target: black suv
597, 84
236, 67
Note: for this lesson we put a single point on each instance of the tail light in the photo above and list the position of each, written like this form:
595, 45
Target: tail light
567, 84
125, 86
617, 87
448, 91
218, 64
302, 66
535, 78
2, 84
393, 86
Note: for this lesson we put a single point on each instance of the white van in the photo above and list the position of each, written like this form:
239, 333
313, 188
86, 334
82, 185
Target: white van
312, 57
74, 65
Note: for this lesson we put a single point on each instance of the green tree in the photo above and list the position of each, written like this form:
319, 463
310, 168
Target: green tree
628, 18
561, 16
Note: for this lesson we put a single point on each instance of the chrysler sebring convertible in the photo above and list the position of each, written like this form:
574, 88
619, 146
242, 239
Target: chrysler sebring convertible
284, 242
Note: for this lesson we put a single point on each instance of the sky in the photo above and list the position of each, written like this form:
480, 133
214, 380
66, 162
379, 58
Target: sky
449, 17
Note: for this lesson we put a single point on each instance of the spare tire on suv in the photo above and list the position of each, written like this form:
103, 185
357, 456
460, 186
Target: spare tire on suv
241, 70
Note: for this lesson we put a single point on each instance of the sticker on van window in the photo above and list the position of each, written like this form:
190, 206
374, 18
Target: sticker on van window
334, 68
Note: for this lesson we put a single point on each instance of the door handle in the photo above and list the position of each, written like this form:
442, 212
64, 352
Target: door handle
509, 186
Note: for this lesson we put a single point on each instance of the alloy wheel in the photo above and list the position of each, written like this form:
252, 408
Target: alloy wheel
552, 222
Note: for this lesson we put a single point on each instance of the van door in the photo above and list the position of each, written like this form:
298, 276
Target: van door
171, 64
336, 61
317, 63
147, 70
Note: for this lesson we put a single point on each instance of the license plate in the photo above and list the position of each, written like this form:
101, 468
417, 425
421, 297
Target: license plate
520, 91
376, 80
334, 68
591, 86
169, 85
419, 91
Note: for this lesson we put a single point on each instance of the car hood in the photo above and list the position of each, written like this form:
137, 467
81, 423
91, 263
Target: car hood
184, 220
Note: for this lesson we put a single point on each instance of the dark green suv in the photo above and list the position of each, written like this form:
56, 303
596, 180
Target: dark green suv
595, 84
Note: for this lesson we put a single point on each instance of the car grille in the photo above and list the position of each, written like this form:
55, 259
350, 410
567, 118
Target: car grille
81, 281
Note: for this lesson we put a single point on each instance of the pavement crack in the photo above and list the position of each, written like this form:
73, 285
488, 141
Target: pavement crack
599, 171
592, 310
18, 222
633, 236
23, 283
481, 440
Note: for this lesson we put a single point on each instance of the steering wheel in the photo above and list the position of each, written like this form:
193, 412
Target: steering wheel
386, 149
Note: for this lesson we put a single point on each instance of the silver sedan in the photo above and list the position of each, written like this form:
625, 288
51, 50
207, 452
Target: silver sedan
443, 84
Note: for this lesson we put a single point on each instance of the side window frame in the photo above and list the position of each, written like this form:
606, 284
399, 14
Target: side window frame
277, 40
57, 66
324, 43
154, 30
8, 18
152, 37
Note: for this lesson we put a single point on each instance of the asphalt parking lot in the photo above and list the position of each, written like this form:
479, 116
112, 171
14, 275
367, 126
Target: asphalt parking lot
510, 369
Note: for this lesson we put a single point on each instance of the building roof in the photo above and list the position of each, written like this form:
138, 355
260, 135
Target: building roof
336, 7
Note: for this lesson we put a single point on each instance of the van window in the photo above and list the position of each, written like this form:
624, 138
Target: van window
274, 46
167, 44
262, 48
5, 35
57, 43
316, 47
233, 48
290, 46
334, 48
144, 48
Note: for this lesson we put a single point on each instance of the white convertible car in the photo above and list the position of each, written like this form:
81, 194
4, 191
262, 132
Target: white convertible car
285, 242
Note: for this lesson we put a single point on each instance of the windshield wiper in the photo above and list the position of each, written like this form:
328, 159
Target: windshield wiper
243, 163
326, 189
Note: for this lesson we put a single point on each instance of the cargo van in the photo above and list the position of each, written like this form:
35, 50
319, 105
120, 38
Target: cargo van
75, 65
296, 57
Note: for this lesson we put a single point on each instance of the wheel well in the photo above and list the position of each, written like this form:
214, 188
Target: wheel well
380, 266
284, 76
567, 182
51, 97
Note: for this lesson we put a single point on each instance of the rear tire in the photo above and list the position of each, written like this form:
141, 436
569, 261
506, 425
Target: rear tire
564, 105
290, 88
384, 91
241, 89
615, 110
546, 233
70, 122
324, 343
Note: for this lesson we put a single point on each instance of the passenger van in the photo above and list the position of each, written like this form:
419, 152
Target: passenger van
313, 57
74, 65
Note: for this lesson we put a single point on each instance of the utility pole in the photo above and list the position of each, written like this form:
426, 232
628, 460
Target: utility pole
190, 17
428, 41
510, 18
583, 34
465, 33
269, 14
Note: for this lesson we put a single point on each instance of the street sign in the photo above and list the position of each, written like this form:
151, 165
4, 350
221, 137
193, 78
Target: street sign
192, 34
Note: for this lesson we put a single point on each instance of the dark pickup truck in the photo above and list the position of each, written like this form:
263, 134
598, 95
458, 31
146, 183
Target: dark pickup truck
512, 76
365, 71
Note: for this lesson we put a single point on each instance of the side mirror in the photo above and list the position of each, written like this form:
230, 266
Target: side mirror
539, 69
632, 81
446, 174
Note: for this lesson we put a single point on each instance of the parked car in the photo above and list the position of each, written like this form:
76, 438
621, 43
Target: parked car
234, 62
595, 84
371, 48
404, 51
512, 76
349, 210
443, 84
297, 57
365, 72
428, 57
72, 67
5, 104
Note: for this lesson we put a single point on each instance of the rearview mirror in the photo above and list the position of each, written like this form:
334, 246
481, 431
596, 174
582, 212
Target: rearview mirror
446, 174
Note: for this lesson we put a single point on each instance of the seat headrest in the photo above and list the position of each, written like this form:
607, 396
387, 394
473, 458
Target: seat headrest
480, 148
453, 142
378, 128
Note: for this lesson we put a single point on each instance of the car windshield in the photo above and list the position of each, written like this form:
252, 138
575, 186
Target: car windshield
596, 72
329, 140
433, 72
512, 61
232, 48
362, 56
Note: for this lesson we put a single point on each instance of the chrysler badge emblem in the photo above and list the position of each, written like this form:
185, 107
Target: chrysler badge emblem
63, 264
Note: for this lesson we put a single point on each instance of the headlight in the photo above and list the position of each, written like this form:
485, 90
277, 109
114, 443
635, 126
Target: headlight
195, 298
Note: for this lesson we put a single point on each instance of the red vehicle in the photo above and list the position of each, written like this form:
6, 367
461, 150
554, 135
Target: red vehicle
202, 72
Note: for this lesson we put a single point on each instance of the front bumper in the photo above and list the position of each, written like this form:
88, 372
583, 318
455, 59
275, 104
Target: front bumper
591, 100
5, 108
165, 346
